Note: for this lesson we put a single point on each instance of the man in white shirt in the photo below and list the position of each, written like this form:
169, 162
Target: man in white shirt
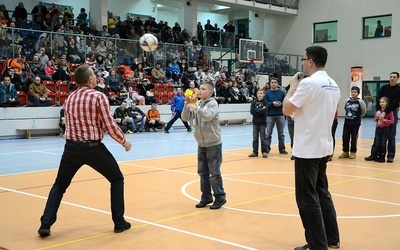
313, 100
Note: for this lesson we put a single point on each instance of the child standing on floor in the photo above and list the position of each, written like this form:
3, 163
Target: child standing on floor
355, 109
382, 129
258, 109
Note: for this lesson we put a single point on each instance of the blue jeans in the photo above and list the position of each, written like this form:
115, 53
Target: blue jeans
280, 125
391, 142
135, 121
101, 160
315, 204
177, 116
259, 132
36, 102
209, 169
350, 131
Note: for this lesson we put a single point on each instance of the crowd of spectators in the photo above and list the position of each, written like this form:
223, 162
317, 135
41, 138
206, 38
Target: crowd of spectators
75, 42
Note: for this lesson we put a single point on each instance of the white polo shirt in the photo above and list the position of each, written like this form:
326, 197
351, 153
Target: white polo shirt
316, 98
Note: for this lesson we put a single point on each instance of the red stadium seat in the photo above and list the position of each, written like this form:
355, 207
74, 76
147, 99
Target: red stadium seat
22, 98
62, 86
61, 97
50, 85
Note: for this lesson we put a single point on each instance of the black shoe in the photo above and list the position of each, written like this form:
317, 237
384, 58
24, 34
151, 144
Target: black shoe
305, 247
189, 130
292, 158
44, 231
284, 152
390, 160
218, 204
380, 160
334, 246
120, 229
203, 203
135, 131
166, 131
370, 158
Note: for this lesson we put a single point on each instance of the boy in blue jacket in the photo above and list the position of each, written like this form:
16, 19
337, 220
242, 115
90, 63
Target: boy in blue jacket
258, 109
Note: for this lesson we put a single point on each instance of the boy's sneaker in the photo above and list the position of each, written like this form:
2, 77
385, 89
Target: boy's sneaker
352, 155
344, 155
265, 155
120, 228
218, 204
254, 155
203, 203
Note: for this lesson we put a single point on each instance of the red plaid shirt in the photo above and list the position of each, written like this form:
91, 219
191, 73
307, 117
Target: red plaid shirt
88, 115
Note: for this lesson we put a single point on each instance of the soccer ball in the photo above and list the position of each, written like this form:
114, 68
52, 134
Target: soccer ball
148, 42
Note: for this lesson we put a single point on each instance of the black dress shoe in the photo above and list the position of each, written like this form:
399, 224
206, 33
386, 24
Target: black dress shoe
203, 203
390, 160
44, 231
218, 204
284, 152
120, 228
370, 158
305, 247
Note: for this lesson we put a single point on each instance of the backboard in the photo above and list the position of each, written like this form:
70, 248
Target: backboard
250, 51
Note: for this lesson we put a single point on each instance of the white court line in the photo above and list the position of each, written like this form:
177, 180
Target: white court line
138, 220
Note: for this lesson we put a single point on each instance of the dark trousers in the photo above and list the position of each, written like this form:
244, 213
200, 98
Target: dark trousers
315, 204
259, 132
177, 116
380, 140
333, 130
391, 142
350, 131
100, 159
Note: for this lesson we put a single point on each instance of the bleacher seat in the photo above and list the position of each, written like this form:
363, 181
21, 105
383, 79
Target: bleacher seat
62, 86
159, 87
169, 87
50, 85
163, 98
171, 96
21, 98
52, 95
61, 97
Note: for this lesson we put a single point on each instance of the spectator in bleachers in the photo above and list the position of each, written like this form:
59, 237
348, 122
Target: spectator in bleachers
68, 16
14, 77
27, 78
47, 23
63, 71
139, 71
185, 36
114, 80
100, 63
200, 33
12, 22
83, 49
20, 14
176, 72
157, 74
229, 34
109, 62
138, 118
58, 40
224, 91
39, 94
153, 121
5, 12
111, 24
3, 24
176, 28
73, 54
144, 87
137, 24
102, 48
39, 12
41, 43
121, 117
159, 56
91, 60
8, 93
82, 19
104, 31
49, 69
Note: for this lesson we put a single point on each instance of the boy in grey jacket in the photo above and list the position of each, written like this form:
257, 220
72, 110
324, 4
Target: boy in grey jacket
209, 153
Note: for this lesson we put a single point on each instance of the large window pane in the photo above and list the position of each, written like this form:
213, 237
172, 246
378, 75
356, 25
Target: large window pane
377, 26
325, 32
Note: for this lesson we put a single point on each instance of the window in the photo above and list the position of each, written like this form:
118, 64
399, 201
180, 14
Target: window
377, 26
325, 32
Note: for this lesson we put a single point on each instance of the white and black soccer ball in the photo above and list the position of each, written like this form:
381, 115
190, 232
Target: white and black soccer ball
148, 42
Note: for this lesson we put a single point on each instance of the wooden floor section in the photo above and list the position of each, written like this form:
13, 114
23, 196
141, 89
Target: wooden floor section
160, 195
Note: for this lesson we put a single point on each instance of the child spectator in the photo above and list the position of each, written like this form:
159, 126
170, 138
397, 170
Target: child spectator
153, 121
355, 109
382, 129
258, 109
